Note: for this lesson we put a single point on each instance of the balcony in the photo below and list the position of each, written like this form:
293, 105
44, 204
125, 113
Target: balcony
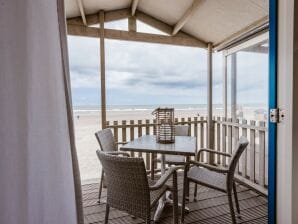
210, 206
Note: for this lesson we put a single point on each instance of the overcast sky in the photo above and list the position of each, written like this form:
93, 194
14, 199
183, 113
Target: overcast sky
141, 73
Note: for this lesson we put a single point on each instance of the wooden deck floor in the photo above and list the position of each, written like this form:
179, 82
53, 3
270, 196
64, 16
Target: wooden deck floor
211, 207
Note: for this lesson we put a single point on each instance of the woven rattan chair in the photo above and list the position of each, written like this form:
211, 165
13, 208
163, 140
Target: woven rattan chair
180, 130
129, 189
221, 179
107, 144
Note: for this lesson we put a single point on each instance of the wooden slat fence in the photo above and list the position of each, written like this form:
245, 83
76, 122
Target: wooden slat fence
252, 168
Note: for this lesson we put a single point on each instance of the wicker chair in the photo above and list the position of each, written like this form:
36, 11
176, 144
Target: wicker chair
221, 179
128, 187
180, 130
107, 144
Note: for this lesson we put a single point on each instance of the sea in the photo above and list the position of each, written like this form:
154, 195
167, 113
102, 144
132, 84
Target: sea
96, 108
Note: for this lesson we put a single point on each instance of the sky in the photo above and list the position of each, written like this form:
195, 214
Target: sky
146, 74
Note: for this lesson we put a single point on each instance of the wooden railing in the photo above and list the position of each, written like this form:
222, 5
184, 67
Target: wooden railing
252, 168
253, 163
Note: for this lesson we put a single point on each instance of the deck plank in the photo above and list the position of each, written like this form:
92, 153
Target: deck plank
211, 207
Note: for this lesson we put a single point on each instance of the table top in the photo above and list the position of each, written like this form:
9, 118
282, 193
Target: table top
184, 145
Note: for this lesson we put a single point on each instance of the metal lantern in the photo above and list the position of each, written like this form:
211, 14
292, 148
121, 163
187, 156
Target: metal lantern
165, 128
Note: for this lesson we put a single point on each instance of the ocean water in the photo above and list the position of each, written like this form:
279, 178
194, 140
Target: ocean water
142, 107
259, 108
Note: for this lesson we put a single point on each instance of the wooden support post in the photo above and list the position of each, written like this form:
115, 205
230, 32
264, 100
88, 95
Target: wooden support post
210, 136
225, 87
102, 70
234, 86
132, 24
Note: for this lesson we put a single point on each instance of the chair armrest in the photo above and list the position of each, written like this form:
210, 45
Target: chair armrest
121, 143
210, 167
211, 151
117, 153
163, 179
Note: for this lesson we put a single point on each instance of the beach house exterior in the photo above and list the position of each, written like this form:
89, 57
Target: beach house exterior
40, 176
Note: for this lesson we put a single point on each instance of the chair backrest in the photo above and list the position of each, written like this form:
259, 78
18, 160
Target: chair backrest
241, 146
106, 140
182, 130
127, 184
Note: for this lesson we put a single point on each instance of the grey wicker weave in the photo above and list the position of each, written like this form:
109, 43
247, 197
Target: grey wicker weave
221, 179
107, 144
128, 187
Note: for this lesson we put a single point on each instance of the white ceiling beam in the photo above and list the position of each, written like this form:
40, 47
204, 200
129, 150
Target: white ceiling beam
186, 16
110, 16
78, 30
134, 5
81, 8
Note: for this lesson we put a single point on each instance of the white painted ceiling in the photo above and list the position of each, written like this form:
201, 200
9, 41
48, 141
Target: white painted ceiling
213, 21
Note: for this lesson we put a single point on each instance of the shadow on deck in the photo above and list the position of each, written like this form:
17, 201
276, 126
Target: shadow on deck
211, 207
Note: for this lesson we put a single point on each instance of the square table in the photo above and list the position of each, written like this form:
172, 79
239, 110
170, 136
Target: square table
184, 146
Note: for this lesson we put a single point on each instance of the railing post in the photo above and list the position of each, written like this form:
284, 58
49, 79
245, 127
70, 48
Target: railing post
123, 131
201, 124
189, 125
140, 131
244, 156
132, 134
262, 155
223, 141
115, 128
229, 133
235, 137
252, 146
218, 139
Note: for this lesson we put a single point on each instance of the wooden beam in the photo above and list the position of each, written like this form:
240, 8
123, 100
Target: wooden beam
81, 8
134, 36
234, 86
93, 19
225, 87
259, 23
132, 24
125, 13
186, 16
210, 123
102, 70
134, 5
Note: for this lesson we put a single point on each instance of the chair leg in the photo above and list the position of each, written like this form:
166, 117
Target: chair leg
152, 166
236, 199
185, 184
100, 185
195, 192
231, 206
148, 220
107, 213
175, 199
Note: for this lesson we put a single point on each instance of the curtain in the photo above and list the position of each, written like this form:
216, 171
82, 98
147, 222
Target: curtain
39, 175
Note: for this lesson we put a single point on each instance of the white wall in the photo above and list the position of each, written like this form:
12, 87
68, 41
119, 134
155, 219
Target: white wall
36, 178
287, 135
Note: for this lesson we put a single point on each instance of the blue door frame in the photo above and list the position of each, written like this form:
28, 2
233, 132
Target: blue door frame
273, 19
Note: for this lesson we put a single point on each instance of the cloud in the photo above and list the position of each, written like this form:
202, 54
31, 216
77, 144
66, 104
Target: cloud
161, 72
